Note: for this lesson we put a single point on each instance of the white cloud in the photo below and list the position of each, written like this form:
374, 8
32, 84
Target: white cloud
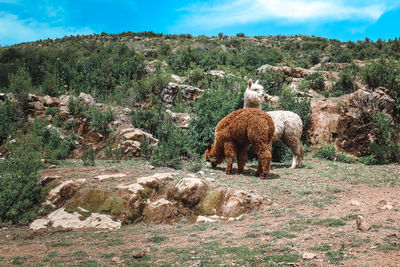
285, 11
15, 30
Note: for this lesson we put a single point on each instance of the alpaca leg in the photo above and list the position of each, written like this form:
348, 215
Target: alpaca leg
230, 153
297, 150
241, 158
264, 159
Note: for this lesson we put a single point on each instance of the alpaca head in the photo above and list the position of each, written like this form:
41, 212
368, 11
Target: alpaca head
255, 86
211, 157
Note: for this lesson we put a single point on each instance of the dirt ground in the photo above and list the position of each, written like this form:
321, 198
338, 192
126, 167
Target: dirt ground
308, 219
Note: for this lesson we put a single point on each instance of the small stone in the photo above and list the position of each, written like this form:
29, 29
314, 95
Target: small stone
308, 255
201, 173
354, 203
204, 219
361, 223
115, 259
387, 207
192, 252
140, 253
151, 167
109, 176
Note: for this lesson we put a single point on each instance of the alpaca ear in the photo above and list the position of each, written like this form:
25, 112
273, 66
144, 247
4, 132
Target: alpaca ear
250, 83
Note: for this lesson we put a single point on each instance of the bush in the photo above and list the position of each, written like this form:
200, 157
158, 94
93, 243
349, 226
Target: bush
214, 104
75, 107
272, 81
300, 106
280, 152
20, 193
383, 148
148, 119
54, 144
367, 160
99, 120
88, 157
326, 152
9, 123
317, 80
173, 146
21, 85
344, 85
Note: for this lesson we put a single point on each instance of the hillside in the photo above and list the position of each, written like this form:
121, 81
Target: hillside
109, 131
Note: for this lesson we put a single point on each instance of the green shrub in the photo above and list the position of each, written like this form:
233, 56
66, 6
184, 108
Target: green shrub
326, 152
280, 152
344, 85
272, 81
88, 157
20, 193
300, 106
8, 118
75, 107
99, 120
383, 148
173, 146
316, 80
21, 85
214, 104
51, 111
367, 160
55, 145
148, 119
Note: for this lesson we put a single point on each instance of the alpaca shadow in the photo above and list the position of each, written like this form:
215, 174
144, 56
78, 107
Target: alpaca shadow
250, 171
287, 166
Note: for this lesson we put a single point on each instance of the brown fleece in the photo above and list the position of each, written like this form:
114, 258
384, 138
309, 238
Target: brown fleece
236, 132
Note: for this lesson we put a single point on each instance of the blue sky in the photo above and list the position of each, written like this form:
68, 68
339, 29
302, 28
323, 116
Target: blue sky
28, 20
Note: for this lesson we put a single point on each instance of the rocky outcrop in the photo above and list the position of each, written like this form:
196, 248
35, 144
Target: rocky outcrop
187, 92
181, 119
347, 120
61, 218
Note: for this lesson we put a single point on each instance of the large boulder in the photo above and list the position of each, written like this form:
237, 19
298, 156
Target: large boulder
137, 135
237, 202
162, 211
346, 121
58, 195
189, 191
86, 99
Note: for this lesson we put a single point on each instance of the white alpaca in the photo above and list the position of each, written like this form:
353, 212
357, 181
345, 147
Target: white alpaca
288, 125
288, 128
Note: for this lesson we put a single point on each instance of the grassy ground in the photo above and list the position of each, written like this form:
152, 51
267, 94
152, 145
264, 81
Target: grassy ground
311, 209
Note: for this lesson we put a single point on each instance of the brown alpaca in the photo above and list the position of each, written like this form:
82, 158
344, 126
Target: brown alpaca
236, 132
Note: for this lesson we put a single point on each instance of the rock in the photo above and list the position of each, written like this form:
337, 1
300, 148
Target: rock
220, 74
48, 179
140, 253
387, 207
39, 224
354, 203
137, 135
32, 98
133, 188
204, 219
86, 99
156, 180
36, 106
346, 121
2, 96
308, 256
362, 224
161, 211
190, 191
237, 202
58, 195
116, 259
131, 148
181, 119
64, 99
188, 93
177, 78
64, 112
51, 101
63, 219
110, 176
151, 167
151, 66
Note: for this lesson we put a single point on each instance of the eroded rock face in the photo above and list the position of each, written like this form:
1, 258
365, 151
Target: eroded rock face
162, 211
190, 191
346, 121
86, 99
64, 191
